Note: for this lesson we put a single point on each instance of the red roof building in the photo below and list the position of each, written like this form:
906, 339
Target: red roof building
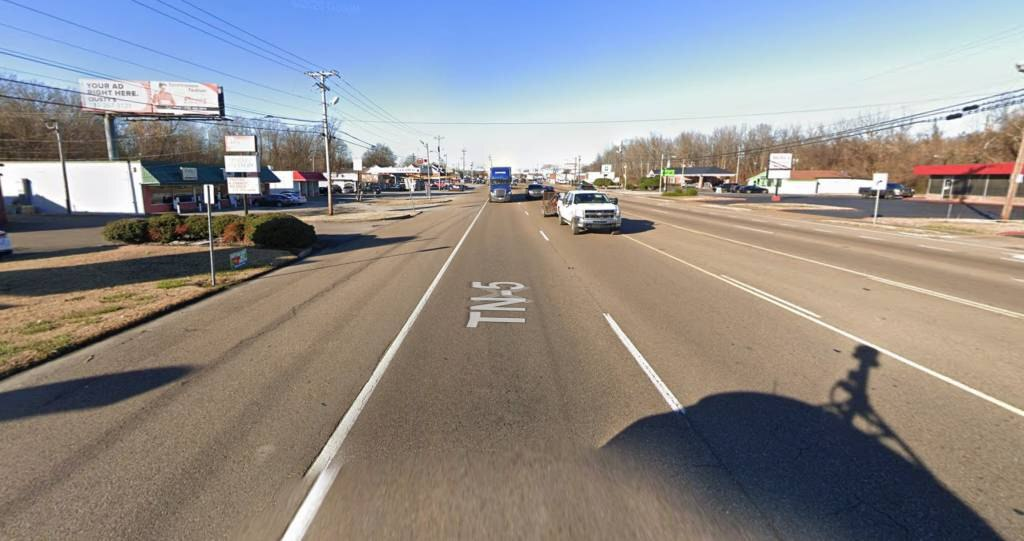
979, 182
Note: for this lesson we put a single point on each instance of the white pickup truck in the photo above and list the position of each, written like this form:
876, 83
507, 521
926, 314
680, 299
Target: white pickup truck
588, 210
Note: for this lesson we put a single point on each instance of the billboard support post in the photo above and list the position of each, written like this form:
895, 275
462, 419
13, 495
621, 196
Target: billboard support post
881, 182
111, 134
208, 196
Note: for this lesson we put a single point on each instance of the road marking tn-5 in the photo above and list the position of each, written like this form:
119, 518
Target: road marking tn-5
326, 466
502, 300
880, 279
806, 314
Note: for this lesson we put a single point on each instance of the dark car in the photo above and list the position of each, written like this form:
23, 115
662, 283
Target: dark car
534, 191
274, 200
750, 188
729, 187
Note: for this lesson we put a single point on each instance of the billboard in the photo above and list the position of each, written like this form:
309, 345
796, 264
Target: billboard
151, 98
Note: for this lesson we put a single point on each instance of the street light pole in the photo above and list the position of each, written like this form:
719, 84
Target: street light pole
321, 82
1018, 166
54, 126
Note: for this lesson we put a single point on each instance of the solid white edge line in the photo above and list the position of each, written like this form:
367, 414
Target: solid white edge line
663, 389
325, 468
894, 283
895, 356
545, 236
759, 292
939, 248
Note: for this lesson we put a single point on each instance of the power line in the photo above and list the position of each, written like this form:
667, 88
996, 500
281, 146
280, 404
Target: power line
156, 51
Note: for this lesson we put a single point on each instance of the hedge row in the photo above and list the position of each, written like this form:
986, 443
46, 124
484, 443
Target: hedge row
280, 231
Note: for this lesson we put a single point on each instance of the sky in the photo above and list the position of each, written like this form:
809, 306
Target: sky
449, 68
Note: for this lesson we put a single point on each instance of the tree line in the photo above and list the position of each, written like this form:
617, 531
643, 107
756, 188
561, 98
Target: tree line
284, 146
894, 151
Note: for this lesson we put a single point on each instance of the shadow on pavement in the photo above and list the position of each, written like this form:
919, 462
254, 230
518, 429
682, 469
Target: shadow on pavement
85, 393
635, 226
44, 254
814, 471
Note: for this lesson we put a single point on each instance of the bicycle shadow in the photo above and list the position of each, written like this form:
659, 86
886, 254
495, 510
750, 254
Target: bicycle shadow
834, 471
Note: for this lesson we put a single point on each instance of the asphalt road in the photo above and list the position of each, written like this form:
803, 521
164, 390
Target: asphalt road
859, 207
478, 371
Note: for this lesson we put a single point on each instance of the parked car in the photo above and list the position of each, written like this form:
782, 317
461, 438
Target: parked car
5, 244
456, 187
298, 197
274, 200
750, 188
892, 189
534, 191
729, 187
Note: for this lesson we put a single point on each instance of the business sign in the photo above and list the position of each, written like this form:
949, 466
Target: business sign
239, 259
247, 163
189, 173
780, 165
240, 143
244, 185
357, 163
668, 172
151, 98
881, 180
606, 170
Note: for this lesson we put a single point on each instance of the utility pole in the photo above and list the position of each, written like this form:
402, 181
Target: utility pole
1011, 189
738, 156
430, 171
463, 162
438, 137
321, 81
54, 126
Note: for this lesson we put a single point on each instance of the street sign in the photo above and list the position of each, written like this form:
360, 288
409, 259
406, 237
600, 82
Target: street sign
881, 180
239, 259
244, 185
357, 163
780, 165
240, 143
606, 170
241, 164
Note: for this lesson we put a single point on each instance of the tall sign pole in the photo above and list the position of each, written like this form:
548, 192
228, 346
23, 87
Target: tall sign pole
209, 195
111, 134
321, 82
881, 182
1015, 180
54, 126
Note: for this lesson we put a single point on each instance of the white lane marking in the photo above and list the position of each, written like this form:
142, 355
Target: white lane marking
1019, 279
886, 281
666, 393
545, 236
325, 468
820, 230
871, 238
725, 207
759, 293
754, 229
1018, 257
526, 212
936, 248
895, 356
1014, 259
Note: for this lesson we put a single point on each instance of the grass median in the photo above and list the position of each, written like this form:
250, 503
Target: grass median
51, 305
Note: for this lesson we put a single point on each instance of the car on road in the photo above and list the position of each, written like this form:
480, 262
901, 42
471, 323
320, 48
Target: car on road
585, 210
892, 190
298, 197
274, 200
534, 191
5, 244
456, 188
750, 188
728, 187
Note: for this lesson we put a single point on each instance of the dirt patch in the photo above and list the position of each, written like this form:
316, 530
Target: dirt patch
790, 206
51, 305
367, 216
